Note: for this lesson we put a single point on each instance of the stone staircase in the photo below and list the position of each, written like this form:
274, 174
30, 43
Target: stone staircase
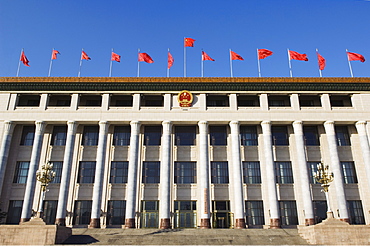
186, 237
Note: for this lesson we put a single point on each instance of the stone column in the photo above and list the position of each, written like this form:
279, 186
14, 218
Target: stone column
237, 176
203, 180
31, 178
336, 169
364, 142
303, 172
165, 185
270, 175
99, 175
66, 174
4, 151
131, 188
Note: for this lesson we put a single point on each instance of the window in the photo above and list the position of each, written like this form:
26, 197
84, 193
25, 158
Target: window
312, 169
121, 136
284, 173
218, 135
254, 213
279, 101
14, 212
28, 133
280, 135
185, 214
185, 172
311, 135
221, 214
57, 168
90, 136
28, 100
86, 174
219, 172
349, 172
59, 100
248, 135
50, 211
248, 101
185, 135
288, 213
116, 212
309, 101
82, 213
118, 172
343, 138
319, 210
121, 101
217, 101
340, 101
59, 136
152, 135
90, 100
251, 172
356, 213
152, 100
21, 172
149, 215
151, 171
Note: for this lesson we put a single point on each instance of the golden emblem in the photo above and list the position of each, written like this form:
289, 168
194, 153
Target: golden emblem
185, 98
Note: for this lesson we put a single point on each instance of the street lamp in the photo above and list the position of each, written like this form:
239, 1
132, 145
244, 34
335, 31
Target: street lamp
325, 177
45, 176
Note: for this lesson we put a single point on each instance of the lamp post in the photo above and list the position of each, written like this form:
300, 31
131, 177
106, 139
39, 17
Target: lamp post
325, 177
45, 176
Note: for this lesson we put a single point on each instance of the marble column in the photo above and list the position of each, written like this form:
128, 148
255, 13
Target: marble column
31, 178
131, 188
4, 151
336, 169
365, 149
66, 174
270, 175
165, 176
237, 176
303, 172
203, 180
99, 175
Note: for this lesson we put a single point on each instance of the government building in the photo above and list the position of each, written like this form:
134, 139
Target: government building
184, 152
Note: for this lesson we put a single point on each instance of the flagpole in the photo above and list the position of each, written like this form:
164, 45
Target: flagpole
110, 66
19, 62
168, 70
79, 70
259, 65
231, 64
138, 63
349, 64
320, 72
202, 65
51, 62
184, 58
290, 65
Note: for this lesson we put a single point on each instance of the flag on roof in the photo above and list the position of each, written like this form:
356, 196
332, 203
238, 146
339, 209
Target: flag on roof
84, 56
189, 42
293, 55
321, 60
206, 57
263, 53
115, 57
24, 59
170, 60
355, 57
235, 56
54, 54
145, 57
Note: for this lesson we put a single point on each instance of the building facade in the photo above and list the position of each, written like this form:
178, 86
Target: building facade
127, 153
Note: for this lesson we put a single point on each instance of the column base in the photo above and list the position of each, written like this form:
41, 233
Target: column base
165, 224
240, 223
60, 221
94, 223
309, 221
130, 224
205, 224
344, 220
275, 224
22, 220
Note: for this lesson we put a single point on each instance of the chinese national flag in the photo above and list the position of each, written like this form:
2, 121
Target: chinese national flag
355, 57
263, 53
189, 42
115, 57
293, 55
235, 56
145, 57
206, 57
24, 59
322, 61
170, 60
54, 54
84, 56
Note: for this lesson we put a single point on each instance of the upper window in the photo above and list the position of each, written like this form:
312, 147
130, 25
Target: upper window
152, 135
59, 100
121, 136
185, 135
21, 172
349, 172
219, 172
248, 101
152, 101
312, 169
311, 135
185, 172
119, 172
342, 135
279, 101
28, 133
309, 101
217, 101
280, 135
218, 135
151, 172
28, 100
90, 100
57, 168
251, 172
90, 136
284, 173
340, 101
86, 174
121, 101
59, 136
248, 135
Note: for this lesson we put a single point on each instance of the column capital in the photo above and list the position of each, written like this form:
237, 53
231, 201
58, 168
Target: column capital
297, 122
40, 126
202, 122
102, 122
166, 122
361, 127
329, 127
135, 123
72, 127
266, 127
361, 122
266, 122
234, 123
8, 127
203, 126
135, 127
298, 127
166, 127
329, 122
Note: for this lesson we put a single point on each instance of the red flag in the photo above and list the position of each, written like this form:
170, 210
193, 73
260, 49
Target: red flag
170, 60
54, 54
235, 56
263, 53
84, 56
24, 59
189, 42
206, 57
115, 57
321, 60
145, 57
355, 57
297, 56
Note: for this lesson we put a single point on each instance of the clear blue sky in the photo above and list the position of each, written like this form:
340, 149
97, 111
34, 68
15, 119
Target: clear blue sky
154, 26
